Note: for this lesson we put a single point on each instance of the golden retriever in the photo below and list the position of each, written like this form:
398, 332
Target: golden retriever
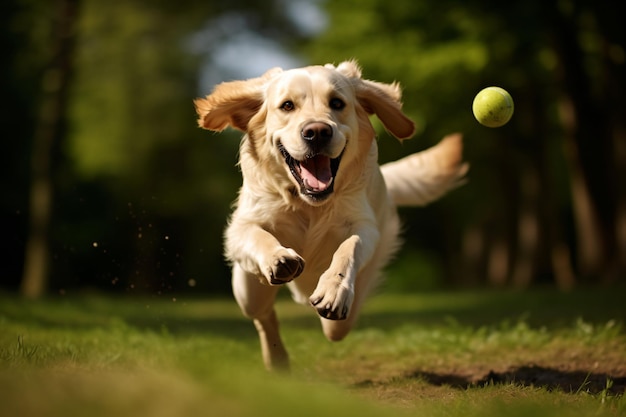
315, 211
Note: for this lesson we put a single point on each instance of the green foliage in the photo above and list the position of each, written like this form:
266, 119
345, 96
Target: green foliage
417, 271
125, 77
142, 194
443, 53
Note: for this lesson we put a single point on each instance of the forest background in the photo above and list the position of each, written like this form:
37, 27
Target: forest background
108, 184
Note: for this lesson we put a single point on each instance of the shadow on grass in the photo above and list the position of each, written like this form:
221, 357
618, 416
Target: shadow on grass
572, 382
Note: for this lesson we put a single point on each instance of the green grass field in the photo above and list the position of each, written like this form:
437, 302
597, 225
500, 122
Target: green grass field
465, 354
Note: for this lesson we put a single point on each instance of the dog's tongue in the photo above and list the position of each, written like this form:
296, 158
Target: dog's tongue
315, 173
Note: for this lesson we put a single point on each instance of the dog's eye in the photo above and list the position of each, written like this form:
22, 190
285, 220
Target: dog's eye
337, 104
287, 106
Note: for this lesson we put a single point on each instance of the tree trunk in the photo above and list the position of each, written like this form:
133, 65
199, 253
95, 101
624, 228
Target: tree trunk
528, 232
54, 89
614, 45
588, 152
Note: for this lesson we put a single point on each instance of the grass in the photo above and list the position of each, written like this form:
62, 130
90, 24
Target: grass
466, 354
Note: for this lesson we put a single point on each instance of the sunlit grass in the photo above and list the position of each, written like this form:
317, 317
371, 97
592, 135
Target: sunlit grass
439, 354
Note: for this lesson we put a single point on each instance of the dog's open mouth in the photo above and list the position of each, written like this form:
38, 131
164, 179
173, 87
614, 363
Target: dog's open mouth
315, 174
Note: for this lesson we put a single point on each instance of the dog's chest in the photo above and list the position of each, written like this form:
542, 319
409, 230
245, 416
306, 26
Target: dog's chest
315, 238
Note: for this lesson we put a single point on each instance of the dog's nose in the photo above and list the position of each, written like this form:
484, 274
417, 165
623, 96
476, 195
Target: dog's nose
317, 132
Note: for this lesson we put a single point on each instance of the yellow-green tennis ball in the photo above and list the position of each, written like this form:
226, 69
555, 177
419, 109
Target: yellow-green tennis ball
493, 107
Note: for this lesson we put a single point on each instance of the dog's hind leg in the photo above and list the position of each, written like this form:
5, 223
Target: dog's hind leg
256, 301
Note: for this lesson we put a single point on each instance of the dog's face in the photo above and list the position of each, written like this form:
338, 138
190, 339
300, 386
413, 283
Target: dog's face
312, 122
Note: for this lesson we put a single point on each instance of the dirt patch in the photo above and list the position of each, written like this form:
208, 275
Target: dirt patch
568, 381
551, 378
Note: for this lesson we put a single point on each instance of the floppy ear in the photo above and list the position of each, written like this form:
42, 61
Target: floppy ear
384, 101
381, 99
233, 103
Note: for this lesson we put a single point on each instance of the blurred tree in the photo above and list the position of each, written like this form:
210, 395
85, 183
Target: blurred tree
49, 130
590, 44
563, 62
20, 72
135, 134
141, 194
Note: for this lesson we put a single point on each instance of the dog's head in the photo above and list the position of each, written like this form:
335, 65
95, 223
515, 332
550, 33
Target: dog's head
312, 122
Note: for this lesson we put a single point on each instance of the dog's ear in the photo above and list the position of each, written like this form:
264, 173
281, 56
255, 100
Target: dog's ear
233, 103
384, 100
350, 68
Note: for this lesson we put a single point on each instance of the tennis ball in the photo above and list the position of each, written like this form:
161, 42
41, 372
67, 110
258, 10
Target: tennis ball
493, 107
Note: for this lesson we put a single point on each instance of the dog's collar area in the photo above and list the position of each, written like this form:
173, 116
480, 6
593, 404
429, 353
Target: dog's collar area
315, 174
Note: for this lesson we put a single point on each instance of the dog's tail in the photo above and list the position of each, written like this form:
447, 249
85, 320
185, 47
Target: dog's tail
423, 177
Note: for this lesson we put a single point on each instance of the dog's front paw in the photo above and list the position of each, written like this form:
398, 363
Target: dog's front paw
285, 265
333, 297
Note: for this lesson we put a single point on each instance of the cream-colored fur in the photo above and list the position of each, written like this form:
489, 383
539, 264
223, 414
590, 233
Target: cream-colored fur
324, 231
